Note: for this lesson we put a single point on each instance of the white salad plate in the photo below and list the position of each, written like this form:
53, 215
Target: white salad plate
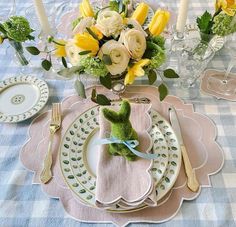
79, 157
22, 97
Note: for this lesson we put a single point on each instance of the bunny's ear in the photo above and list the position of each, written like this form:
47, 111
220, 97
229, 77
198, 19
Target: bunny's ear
110, 115
125, 110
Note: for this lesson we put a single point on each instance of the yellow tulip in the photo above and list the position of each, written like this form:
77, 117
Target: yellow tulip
228, 6
159, 22
86, 42
1, 39
141, 12
96, 32
60, 48
86, 9
136, 70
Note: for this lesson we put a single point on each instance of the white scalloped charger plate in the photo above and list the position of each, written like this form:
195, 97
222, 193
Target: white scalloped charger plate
21, 98
78, 158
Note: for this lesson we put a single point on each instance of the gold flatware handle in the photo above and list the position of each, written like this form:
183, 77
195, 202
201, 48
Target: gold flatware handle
46, 173
192, 181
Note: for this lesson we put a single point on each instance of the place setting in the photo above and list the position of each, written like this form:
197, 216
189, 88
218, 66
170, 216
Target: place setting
118, 150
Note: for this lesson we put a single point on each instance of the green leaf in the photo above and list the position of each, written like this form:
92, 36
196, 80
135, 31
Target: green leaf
152, 77
163, 91
79, 87
75, 22
170, 73
92, 33
84, 52
130, 26
94, 95
205, 22
114, 5
2, 29
103, 100
107, 59
33, 50
64, 62
68, 72
106, 81
46, 64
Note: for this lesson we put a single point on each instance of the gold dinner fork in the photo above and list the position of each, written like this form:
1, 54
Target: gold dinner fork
55, 124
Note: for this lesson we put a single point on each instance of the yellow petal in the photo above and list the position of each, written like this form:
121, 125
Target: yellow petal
85, 9
97, 32
160, 23
143, 62
229, 11
139, 71
81, 9
141, 12
60, 49
86, 42
154, 18
129, 78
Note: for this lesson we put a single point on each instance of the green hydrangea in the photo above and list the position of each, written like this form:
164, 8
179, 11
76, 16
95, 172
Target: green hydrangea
155, 52
17, 28
94, 66
157, 60
223, 25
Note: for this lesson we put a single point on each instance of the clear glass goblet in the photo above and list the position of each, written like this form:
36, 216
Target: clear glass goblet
225, 83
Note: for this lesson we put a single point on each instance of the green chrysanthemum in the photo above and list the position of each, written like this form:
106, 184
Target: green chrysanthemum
224, 25
94, 66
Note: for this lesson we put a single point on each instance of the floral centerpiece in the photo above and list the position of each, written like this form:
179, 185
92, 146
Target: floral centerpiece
112, 42
222, 22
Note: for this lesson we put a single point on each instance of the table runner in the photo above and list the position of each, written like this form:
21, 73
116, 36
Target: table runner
22, 204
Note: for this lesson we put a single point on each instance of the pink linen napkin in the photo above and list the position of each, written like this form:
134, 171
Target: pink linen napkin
126, 183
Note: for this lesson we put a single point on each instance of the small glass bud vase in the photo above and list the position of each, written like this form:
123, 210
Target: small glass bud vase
19, 52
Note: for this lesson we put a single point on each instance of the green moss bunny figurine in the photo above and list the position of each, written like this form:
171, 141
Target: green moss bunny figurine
121, 129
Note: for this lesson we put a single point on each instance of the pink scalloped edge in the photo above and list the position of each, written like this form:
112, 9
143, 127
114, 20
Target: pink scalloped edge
171, 203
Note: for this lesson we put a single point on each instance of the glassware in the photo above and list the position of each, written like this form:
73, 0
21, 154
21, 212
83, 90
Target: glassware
8, 10
193, 57
224, 83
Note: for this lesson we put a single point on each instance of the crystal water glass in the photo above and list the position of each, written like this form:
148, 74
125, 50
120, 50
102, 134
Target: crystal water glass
193, 56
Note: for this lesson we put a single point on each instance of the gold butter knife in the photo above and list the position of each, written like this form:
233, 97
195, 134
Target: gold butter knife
192, 181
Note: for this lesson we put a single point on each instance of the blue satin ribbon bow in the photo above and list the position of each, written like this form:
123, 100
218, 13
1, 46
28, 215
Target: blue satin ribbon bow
130, 144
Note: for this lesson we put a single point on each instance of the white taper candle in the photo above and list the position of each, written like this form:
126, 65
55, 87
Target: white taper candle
43, 18
182, 15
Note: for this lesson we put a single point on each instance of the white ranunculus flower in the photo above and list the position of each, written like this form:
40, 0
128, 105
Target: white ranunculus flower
135, 42
110, 23
72, 52
83, 24
118, 54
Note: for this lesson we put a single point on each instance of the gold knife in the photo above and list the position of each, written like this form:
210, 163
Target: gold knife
192, 181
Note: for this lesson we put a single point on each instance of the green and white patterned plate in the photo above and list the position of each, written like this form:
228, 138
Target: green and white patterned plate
174, 155
22, 97
78, 157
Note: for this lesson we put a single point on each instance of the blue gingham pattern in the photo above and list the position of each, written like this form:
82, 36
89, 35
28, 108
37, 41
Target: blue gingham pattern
24, 204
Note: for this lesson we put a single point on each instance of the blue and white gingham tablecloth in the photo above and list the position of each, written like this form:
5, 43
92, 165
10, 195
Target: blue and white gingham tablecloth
24, 204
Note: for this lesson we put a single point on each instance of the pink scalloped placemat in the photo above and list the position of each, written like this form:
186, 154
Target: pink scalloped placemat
199, 134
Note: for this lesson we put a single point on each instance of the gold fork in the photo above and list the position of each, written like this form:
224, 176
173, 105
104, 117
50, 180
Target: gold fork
55, 124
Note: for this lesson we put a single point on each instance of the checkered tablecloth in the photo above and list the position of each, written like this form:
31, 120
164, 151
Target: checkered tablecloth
24, 204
